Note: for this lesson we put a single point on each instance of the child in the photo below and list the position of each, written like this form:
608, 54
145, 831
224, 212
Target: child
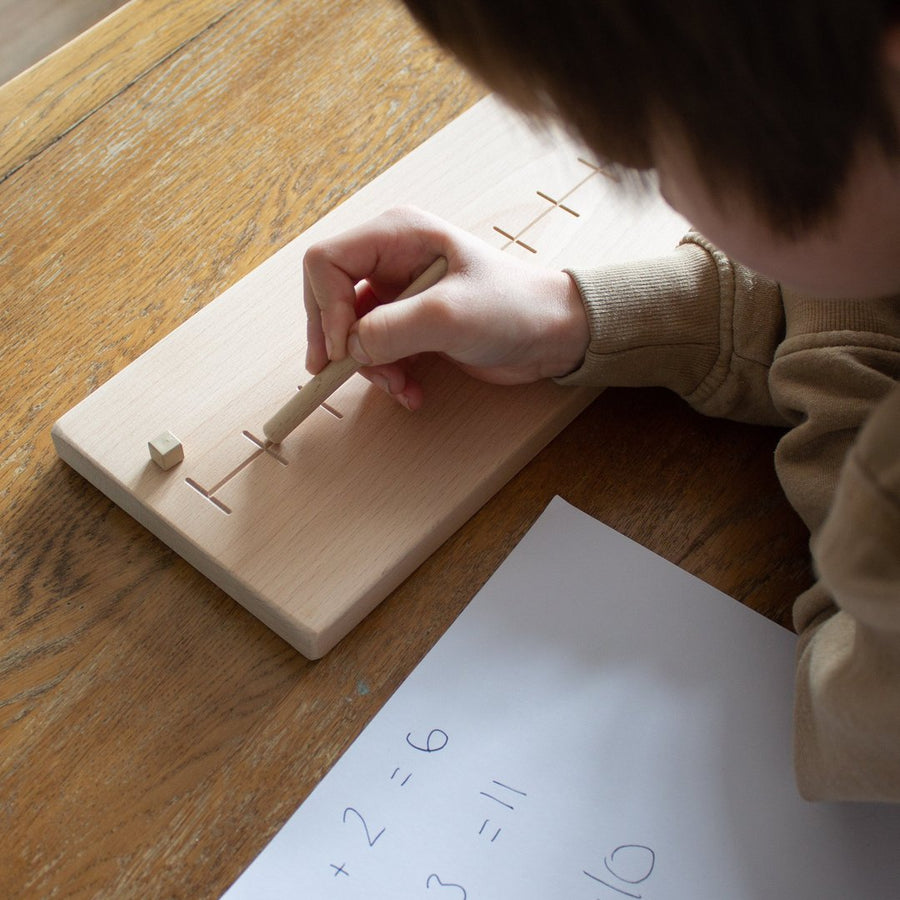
774, 128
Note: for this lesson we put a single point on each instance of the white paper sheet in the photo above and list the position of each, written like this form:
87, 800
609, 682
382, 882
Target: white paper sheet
597, 724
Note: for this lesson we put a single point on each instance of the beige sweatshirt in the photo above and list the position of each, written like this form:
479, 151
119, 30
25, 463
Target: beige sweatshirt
734, 344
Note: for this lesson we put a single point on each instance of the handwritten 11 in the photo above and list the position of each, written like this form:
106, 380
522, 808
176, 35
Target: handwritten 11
626, 869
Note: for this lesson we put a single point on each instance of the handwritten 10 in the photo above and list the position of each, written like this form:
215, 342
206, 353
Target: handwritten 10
626, 868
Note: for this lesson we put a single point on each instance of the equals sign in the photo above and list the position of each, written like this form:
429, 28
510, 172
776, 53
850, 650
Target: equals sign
402, 783
484, 825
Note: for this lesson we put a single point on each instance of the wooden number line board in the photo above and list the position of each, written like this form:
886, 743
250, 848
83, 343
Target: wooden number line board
311, 535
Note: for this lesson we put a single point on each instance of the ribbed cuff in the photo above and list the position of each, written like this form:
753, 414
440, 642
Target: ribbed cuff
652, 322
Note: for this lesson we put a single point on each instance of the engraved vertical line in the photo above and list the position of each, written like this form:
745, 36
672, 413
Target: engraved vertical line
207, 495
266, 446
326, 406
517, 238
235, 471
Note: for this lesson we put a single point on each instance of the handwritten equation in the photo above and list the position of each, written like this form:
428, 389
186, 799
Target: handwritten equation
564, 739
625, 870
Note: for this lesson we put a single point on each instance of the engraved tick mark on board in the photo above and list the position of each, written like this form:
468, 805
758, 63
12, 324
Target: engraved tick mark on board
598, 170
514, 240
559, 204
263, 448
219, 505
554, 204
326, 406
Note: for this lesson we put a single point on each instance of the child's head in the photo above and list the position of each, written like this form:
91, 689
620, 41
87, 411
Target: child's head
769, 99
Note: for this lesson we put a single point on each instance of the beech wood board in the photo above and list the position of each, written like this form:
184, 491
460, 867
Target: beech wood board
312, 534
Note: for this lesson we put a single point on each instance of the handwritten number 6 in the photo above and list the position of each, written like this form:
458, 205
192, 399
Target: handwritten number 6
369, 839
437, 739
459, 887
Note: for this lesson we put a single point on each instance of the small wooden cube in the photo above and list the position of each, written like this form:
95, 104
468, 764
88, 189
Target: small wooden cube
166, 450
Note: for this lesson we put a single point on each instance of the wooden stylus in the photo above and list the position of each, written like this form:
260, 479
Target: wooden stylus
320, 387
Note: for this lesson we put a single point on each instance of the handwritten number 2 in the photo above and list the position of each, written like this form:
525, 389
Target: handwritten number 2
369, 839
440, 883
437, 739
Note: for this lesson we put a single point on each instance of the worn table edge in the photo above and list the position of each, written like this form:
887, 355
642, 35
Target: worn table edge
51, 97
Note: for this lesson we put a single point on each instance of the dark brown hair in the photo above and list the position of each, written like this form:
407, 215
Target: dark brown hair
771, 95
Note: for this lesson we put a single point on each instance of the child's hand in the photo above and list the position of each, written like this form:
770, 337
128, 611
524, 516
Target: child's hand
499, 319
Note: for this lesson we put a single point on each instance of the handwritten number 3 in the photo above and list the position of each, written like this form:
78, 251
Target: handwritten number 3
459, 887
369, 839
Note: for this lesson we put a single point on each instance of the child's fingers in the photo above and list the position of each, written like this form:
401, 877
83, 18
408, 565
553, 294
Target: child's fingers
329, 295
395, 331
387, 253
396, 381
316, 351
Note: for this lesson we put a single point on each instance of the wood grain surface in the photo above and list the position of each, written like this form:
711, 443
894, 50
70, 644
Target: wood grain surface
153, 735
311, 536
33, 29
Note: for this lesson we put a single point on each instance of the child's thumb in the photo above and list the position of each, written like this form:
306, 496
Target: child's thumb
397, 330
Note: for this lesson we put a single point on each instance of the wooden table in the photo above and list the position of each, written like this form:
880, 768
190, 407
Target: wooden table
153, 735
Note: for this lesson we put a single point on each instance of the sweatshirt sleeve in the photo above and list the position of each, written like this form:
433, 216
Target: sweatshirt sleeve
693, 321
736, 345
835, 378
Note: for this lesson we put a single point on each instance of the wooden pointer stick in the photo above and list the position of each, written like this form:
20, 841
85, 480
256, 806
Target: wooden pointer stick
320, 387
